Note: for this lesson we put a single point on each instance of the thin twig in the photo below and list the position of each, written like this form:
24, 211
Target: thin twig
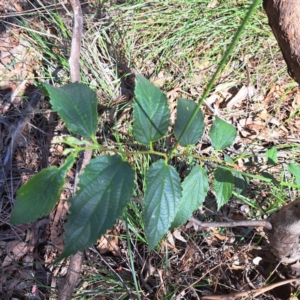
252, 223
252, 293
76, 41
75, 265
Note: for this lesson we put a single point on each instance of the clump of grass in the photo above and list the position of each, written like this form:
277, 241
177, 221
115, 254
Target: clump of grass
183, 41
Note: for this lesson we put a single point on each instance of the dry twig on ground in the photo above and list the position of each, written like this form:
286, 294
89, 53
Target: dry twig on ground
75, 265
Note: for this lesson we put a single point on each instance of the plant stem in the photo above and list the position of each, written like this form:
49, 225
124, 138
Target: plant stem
220, 68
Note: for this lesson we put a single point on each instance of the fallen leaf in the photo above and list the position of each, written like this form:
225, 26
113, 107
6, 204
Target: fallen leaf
244, 93
178, 236
15, 250
109, 242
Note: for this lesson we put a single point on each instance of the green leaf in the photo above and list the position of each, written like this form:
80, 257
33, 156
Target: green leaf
295, 170
222, 134
271, 177
162, 197
76, 104
228, 159
223, 185
150, 111
105, 187
240, 183
194, 190
185, 109
40, 194
271, 156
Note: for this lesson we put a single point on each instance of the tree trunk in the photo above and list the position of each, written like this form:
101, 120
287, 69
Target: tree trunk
285, 233
284, 18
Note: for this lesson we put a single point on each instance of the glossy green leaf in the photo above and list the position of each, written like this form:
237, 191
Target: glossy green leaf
105, 187
295, 170
150, 111
271, 156
76, 104
40, 194
194, 190
162, 197
193, 134
223, 186
222, 134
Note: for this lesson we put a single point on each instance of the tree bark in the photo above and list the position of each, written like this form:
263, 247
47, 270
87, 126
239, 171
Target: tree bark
284, 18
284, 235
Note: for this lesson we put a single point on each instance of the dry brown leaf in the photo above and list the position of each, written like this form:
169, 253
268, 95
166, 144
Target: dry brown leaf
269, 96
15, 250
109, 242
256, 126
296, 101
190, 257
171, 239
244, 93
178, 236
219, 236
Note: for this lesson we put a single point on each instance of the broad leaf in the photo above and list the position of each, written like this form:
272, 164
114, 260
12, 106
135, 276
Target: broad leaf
194, 190
223, 186
221, 134
270, 176
105, 187
150, 111
240, 183
193, 134
271, 156
76, 104
40, 194
295, 170
162, 197
228, 159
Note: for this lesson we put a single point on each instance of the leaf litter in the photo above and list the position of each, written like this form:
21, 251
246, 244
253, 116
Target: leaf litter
200, 261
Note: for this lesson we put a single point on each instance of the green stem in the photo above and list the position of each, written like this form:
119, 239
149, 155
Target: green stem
151, 146
247, 174
220, 68
282, 183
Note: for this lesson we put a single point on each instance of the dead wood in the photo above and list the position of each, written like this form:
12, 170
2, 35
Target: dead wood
75, 264
284, 20
251, 223
285, 233
284, 237
252, 293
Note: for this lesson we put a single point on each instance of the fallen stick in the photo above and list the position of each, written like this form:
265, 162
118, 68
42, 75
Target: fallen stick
252, 293
251, 223
75, 264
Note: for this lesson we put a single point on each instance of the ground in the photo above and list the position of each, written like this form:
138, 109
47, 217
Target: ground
177, 45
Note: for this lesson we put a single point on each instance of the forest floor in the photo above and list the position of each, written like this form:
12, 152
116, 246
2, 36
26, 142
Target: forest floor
177, 45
